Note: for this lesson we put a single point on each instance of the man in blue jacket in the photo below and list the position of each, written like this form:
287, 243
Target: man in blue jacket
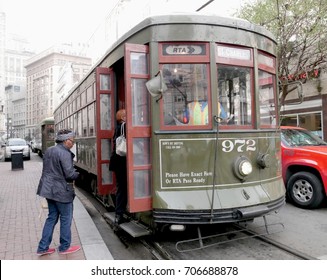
56, 185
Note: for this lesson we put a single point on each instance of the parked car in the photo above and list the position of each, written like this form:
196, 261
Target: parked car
17, 145
304, 167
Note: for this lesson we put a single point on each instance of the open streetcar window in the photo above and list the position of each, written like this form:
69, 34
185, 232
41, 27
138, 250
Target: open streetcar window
234, 95
235, 79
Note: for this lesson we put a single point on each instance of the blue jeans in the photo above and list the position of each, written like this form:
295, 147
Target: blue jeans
64, 212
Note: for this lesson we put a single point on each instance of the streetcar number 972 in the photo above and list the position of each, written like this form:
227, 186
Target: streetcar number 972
241, 145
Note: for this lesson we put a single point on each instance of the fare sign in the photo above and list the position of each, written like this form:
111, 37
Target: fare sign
185, 49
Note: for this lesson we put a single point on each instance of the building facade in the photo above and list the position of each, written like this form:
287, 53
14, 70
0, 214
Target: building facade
16, 107
17, 52
311, 113
44, 77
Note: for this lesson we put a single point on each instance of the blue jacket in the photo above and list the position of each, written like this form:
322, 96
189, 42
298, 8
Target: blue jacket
58, 173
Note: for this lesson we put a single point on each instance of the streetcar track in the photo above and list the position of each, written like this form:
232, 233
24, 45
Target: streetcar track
159, 251
156, 250
277, 244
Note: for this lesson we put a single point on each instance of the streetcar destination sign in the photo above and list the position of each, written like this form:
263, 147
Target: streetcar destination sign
235, 53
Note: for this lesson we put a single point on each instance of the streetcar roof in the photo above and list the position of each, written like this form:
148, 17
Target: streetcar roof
190, 18
178, 18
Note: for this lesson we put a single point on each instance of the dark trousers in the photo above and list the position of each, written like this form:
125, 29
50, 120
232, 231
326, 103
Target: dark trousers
121, 180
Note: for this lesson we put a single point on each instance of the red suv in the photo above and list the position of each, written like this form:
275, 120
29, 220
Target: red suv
304, 167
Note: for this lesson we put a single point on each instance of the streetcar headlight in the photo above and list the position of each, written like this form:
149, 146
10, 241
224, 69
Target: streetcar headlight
242, 167
245, 168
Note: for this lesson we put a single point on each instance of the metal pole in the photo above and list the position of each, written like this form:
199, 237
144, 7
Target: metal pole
204, 5
7, 126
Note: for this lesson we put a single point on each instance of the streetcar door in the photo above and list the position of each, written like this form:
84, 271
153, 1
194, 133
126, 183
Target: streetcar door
138, 128
105, 126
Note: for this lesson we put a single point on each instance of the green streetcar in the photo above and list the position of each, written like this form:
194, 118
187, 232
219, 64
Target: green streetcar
203, 140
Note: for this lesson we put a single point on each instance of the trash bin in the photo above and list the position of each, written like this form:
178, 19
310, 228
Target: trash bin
17, 162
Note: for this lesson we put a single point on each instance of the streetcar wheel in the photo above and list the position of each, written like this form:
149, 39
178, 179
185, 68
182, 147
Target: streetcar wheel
305, 190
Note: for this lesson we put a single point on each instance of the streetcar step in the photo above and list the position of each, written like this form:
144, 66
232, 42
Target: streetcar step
135, 229
132, 227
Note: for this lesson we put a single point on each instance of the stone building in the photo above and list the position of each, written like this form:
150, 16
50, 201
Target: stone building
15, 98
44, 78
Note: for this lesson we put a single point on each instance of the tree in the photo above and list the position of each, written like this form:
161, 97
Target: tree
300, 30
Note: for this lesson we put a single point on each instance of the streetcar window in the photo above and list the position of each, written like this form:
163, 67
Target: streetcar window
91, 119
78, 102
94, 90
140, 103
186, 98
76, 124
267, 99
84, 122
89, 94
105, 149
104, 82
139, 63
105, 116
83, 98
141, 148
234, 95
70, 123
139, 95
142, 186
106, 177
79, 123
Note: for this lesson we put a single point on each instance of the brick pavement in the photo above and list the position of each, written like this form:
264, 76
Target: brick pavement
22, 218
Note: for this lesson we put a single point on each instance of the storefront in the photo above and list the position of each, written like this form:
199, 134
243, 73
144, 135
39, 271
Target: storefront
308, 114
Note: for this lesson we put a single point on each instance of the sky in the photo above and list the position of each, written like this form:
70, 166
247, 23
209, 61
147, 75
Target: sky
58, 23
23, 17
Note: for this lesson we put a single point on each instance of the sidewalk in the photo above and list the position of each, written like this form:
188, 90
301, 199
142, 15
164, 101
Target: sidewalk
22, 218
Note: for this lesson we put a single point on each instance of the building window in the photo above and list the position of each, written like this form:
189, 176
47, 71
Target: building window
310, 121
